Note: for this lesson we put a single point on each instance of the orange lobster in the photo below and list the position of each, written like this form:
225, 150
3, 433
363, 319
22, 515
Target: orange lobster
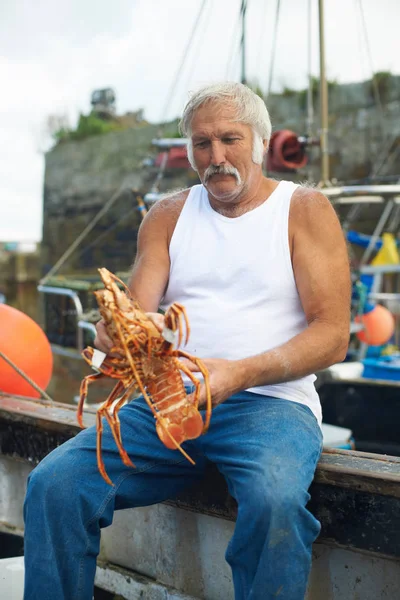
145, 361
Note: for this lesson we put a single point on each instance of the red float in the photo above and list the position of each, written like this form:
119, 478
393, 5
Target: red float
26, 345
285, 152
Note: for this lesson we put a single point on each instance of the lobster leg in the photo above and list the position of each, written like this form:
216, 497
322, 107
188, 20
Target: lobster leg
115, 426
103, 411
199, 363
83, 395
182, 367
105, 274
174, 318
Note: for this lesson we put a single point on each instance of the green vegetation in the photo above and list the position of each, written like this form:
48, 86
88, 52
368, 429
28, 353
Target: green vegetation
171, 130
256, 87
88, 125
332, 84
288, 92
380, 83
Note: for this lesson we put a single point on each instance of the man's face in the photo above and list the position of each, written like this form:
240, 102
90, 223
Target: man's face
220, 143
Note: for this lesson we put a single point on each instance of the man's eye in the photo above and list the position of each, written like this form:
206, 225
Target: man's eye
201, 144
229, 140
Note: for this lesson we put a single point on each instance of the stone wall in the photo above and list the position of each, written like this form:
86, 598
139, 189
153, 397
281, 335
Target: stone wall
361, 134
80, 178
19, 273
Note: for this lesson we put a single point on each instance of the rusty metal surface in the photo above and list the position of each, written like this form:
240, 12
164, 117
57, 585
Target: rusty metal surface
31, 428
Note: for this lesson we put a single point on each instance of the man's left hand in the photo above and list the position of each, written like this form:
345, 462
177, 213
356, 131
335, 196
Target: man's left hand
224, 377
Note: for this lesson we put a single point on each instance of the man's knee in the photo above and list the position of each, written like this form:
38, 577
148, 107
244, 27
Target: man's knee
284, 498
50, 482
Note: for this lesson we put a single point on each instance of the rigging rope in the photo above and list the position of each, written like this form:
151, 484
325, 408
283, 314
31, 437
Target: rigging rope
142, 209
260, 45
374, 82
235, 45
182, 63
243, 10
26, 377
71, 249
196, 48
273, 52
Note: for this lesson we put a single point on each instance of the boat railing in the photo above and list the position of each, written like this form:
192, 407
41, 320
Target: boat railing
80, 322
347, 194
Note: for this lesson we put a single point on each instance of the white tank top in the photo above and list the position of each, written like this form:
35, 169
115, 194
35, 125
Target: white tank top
235, 278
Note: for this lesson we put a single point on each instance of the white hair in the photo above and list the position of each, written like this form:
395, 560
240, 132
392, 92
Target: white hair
250, 109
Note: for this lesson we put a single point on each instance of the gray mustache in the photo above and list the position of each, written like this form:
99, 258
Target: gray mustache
222, 170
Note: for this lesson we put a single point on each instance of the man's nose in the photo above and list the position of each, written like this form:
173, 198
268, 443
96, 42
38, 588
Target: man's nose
217, 153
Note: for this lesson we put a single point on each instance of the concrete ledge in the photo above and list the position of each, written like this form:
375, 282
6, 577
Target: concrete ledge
355, 495
132, 585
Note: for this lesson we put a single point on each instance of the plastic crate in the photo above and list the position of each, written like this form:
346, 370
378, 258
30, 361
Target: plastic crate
386, 367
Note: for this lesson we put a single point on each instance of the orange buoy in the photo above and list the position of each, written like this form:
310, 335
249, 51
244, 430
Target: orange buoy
26, 345
379, 326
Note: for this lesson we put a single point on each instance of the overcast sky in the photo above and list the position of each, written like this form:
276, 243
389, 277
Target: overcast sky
53, 54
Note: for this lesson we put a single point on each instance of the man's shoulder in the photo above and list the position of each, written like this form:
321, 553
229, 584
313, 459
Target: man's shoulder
310, 207
306, 193
309, 200
170, 204
162, 217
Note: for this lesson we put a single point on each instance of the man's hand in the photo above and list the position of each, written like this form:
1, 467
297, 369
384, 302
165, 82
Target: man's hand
103, 342
225, 379
158, 320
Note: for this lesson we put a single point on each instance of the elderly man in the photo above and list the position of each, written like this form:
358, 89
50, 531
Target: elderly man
261, 267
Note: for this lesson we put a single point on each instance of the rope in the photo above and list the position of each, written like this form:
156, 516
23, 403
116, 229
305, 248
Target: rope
378, 101
374, 82
141, 207
273, 52
197, 47
235, 40
82, 235
262, 36
243, 10
182, 63
27, 378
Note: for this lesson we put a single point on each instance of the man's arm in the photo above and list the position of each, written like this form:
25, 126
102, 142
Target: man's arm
321, 269
150, 271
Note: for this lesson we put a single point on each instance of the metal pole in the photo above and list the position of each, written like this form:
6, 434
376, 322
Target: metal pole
323, 92
310, 100
243, 41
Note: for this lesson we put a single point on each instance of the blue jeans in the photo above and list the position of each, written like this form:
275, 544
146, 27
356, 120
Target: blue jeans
266, 448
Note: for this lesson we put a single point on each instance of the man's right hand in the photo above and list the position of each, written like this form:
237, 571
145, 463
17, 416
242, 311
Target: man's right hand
102, 341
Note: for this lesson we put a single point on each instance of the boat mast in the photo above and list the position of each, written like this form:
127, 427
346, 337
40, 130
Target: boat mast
243, 41
323, 94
